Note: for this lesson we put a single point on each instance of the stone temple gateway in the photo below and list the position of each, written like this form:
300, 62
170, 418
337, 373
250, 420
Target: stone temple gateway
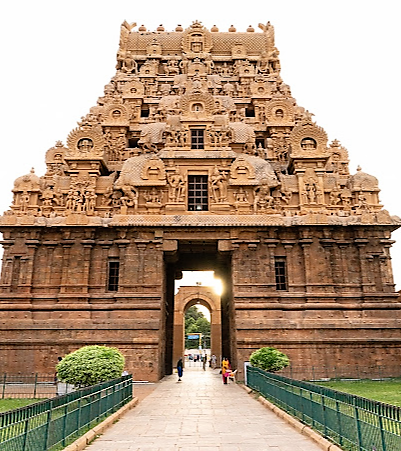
197, 157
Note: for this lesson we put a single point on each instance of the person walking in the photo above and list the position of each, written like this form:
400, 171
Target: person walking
225, 369
180, 369
204, 362
213, 362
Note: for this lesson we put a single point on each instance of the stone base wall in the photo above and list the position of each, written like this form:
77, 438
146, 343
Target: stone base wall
336, 305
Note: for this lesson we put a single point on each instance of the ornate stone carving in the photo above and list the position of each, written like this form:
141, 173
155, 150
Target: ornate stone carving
85, 143
197, 104
196, 40
280, 112
308, 140
153, 169
116, 115
220, 107
218, 184
177, 187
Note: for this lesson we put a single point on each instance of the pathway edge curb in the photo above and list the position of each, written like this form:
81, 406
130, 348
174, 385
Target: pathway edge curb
302, 428
83, 441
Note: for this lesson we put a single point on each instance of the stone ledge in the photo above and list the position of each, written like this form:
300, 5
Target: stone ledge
302, 428
82, 442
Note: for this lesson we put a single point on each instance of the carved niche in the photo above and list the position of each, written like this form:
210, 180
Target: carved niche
116, 115
154, 49
55, 159
133, 90
308, 141
85, 143
197, 104
280, 112
196, 40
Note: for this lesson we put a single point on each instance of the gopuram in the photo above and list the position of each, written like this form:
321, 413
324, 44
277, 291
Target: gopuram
197, 157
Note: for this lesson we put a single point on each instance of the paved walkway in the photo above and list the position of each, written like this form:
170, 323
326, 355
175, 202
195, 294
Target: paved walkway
201, 414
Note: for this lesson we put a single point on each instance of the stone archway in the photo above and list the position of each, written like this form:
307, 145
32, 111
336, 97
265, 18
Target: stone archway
187, 297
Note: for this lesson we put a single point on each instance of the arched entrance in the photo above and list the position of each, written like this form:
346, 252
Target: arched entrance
187, 297
197, 255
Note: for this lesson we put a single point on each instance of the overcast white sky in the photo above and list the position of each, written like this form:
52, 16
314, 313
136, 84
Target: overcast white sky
340, 58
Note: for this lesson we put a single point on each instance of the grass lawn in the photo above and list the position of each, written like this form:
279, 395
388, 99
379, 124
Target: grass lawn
388, 391
15, 403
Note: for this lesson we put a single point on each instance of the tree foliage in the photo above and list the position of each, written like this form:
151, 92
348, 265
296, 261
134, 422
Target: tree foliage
269, 359
90, 365
195, 322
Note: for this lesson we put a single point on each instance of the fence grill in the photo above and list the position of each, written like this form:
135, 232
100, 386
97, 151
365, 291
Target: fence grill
46, 424
33, 385
352, 422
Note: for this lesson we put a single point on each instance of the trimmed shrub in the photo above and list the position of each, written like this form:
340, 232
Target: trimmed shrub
90, 365
269, 359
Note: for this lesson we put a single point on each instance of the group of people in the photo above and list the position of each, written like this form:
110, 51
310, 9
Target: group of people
226, 371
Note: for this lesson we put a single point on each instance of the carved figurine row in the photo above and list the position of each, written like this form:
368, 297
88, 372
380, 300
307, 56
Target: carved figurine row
267, 64
82, 197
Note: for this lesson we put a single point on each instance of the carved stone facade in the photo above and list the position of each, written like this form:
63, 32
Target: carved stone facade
197, 157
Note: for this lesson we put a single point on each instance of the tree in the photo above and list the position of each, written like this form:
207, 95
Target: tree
269, 359
90, 365
195, 322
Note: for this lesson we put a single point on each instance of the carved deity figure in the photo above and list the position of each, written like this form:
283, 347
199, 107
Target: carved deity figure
171, 68
274, 62
263, 200
177, 187
362, 203
130, 197
153, 196
90, 201
218, 182
129, 65
262, 66
311, 190
106, 199
24, 200
334, 197
209, 64
85, 145
228, 89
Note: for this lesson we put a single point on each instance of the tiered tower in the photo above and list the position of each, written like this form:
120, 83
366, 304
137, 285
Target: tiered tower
197, 157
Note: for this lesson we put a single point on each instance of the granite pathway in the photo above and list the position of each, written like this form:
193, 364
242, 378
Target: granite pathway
201, 414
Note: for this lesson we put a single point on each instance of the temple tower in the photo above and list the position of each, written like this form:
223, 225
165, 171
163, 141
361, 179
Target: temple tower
197, 157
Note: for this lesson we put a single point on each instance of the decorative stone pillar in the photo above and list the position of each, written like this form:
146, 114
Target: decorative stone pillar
65, 276
289, 246
86, 264
305, 244
122, 246
364, 271
27, 266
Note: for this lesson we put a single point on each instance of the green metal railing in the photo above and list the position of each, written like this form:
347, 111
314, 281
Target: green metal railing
352, 422
34, 385
44, 425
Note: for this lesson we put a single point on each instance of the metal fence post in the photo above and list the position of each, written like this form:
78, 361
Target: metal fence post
25, 434
358, 429
48, 420
4, 384
65, 422
383, 439
311, 405
302, 404
36, 381
324, 416
339, 416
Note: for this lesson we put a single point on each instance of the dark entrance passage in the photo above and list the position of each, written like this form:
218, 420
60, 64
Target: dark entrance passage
199, 255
